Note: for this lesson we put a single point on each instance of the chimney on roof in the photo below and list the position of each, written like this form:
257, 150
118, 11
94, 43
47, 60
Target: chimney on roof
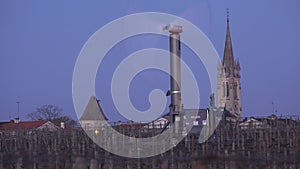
17, 120
62, 125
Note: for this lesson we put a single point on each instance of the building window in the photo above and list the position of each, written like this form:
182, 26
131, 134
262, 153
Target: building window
235, 90
227, 89
223, 87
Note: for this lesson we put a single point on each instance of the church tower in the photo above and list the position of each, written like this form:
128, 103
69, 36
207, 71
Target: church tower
229, 85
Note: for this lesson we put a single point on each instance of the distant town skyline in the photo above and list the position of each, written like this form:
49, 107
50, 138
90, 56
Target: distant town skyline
40, 42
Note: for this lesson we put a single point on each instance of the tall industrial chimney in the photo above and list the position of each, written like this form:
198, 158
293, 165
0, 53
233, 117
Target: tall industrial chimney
175, 69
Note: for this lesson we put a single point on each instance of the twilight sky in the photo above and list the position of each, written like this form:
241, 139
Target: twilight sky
40, 41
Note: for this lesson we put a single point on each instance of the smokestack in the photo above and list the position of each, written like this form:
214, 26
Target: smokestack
175, 69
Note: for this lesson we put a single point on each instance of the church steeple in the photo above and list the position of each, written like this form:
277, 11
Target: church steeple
229, 84
228, 59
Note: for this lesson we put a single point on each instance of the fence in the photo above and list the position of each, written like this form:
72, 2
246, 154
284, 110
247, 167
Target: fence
271, 143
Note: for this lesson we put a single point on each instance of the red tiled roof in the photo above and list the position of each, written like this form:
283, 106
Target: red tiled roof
21, 125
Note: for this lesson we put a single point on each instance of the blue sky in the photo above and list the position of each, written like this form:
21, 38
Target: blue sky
40, 41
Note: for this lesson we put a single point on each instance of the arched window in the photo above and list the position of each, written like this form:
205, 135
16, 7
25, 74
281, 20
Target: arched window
235, 90
224, 89
227, 89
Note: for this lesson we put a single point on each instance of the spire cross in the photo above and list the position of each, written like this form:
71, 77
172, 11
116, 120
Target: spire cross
227, 14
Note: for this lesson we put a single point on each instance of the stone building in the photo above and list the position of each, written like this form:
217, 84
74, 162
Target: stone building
229, 85
93, 115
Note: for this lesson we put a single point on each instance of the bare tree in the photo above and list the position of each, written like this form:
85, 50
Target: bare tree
51, 113
46, 112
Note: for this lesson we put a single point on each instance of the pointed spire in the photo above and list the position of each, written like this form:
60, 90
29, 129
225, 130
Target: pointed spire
228, 59
238, 64
93, 111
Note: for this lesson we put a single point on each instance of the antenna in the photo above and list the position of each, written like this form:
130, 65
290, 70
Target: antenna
273, 109
18, 109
